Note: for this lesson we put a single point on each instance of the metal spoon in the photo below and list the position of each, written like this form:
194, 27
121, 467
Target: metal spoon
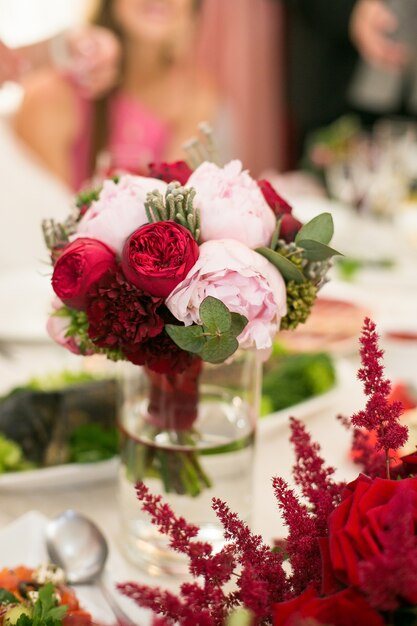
77, 545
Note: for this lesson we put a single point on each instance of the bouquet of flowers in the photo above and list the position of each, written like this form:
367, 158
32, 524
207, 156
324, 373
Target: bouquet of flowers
350, 556
181, 267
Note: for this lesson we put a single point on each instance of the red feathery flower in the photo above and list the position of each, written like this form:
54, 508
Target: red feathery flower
313, 477
380, 414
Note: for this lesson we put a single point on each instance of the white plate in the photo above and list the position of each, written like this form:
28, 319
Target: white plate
63, 475
23, 543
26, 298
344, 374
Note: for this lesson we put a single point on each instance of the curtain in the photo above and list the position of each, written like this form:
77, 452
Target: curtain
242, 44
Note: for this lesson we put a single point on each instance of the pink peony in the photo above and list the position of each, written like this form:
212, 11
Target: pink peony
57, 328
232, 205
243, 280
119, 210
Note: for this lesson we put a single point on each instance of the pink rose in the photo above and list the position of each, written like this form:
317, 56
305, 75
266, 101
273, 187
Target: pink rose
119, 210
243, 280
57, 327
232, 205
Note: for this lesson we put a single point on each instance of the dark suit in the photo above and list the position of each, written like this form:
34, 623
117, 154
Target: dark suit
321, 61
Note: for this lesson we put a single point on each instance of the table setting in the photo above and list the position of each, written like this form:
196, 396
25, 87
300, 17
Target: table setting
185, 332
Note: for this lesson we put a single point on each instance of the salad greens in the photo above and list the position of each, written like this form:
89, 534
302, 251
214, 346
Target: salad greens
292, 378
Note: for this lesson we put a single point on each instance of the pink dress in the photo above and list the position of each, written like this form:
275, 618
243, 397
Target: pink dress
136, 137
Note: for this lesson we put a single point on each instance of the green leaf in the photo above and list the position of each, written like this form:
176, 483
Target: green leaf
188, 338
7, 598
215, 315
218, 349
316, 251
288, 270
238, 324
320, 228
45, 609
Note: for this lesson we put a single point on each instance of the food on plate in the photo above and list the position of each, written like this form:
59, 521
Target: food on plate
67, 418
39, 597
333, 325
293, 378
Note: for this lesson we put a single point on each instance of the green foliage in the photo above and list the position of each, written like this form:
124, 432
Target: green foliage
320, 228
45, 610
12, 458
177, 205
286, 267
6, 597
300, 300
90, 443
87, 197
316, 251
292, 378
216, 338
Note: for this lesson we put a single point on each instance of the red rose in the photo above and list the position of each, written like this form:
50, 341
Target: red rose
358, 527
408, 466
157, 257
277, 204
289, 224
345, 608
179, 170
79, 266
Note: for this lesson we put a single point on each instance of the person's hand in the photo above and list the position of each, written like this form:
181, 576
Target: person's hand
371, 25
11, 64
93, 59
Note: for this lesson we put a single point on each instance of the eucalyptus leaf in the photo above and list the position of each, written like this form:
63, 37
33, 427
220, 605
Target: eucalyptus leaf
215, 315
218, 349
320, 228
316, 251
188, 338
238, 324
288, 270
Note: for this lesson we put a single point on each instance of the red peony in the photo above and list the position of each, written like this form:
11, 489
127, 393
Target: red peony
120, 315
168, 172
157, 257
345, 608
289, 224
78, 268
160, 354
358, 528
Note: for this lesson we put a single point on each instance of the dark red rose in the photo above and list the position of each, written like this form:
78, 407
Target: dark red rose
275, 201
289, 224
179, 170
289, 227
79, 266
158, 256
121, 316
345, 608
160, 354
357, 526
408, 465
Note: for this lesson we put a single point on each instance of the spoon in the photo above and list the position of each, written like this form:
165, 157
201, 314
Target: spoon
79, 547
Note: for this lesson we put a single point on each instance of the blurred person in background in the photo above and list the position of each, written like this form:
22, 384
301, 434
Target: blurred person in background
326, 42
90, 55
159, 98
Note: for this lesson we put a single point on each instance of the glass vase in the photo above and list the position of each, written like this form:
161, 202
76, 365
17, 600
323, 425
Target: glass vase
188, 436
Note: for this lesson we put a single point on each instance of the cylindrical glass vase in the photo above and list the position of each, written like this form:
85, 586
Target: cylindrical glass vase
190, 437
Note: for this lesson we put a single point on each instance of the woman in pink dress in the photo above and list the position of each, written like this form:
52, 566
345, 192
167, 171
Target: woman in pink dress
160, 98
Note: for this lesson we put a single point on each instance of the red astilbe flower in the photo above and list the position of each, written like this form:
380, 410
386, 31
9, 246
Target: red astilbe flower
314, 478
380, 415
302, 546
205, 604
390, 576
263, 580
